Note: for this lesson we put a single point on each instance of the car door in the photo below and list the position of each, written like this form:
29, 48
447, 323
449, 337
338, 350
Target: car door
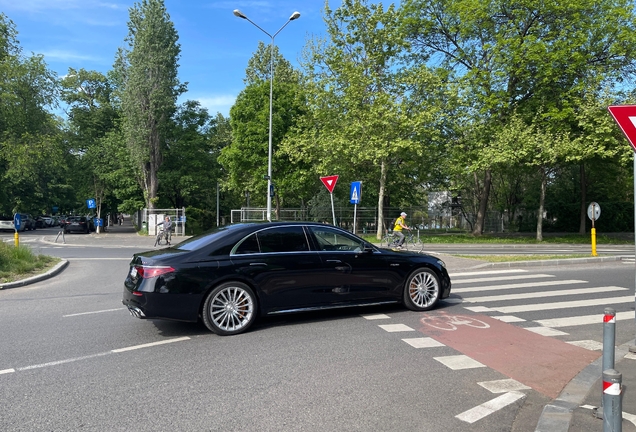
279, 263
359, 273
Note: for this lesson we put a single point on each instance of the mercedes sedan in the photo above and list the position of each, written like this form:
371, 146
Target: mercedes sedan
229, 276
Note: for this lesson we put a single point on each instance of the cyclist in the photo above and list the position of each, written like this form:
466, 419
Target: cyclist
167, 229
400, 224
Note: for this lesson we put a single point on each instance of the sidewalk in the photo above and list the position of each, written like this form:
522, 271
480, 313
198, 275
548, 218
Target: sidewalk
571, 411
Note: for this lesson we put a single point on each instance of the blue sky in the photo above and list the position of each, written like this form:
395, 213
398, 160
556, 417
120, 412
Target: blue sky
215, 45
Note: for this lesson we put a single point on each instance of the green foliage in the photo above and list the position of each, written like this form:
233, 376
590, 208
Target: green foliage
147, 72
19, 261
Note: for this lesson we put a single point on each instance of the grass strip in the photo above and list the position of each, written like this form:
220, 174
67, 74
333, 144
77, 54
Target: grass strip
20, 263
510, 258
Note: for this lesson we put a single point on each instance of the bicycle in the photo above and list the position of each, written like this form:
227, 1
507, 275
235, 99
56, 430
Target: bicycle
412, 242
160, 235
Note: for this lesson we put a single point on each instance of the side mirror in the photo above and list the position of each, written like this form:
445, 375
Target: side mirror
368, 248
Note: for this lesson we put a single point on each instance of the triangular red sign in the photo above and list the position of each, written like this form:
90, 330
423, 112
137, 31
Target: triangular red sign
329, 182
625, 116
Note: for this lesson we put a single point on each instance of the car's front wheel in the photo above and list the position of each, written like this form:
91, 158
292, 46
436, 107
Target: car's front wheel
422, 290
230, 309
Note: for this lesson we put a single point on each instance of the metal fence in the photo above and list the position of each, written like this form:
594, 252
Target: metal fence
367, 218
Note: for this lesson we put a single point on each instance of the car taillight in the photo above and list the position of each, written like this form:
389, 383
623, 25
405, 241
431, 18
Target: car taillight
147, 272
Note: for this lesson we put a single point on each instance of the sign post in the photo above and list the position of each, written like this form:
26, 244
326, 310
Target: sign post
330, 183
355, 193
17, 224
625, 116
593, 212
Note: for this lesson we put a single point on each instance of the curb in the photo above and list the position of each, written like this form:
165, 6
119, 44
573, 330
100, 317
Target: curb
550, 263
49, 274
557, 415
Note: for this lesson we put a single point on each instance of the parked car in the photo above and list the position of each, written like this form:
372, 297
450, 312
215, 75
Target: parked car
6, 223
229, 276
76, 224
27, 221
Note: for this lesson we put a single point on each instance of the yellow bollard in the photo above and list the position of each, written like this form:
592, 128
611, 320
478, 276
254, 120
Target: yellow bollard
594, 242
16, 239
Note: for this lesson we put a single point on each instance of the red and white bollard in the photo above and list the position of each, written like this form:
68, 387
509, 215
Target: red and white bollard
612, 401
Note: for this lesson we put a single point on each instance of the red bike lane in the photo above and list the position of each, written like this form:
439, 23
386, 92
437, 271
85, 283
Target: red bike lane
540, 362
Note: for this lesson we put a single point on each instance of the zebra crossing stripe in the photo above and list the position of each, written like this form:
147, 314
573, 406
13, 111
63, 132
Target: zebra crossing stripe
487, 408
491, 272
542, 294
515, 286
501, 278
582, 320
564, 305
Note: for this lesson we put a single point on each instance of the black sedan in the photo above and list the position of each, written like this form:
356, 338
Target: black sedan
76, 224
229, 276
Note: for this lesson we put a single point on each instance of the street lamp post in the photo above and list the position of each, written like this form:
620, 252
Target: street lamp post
294, 16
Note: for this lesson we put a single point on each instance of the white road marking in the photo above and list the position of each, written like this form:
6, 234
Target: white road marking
583, 320
459, 362
393, 328
626, 416
479, 309
487, 408
87, 357
542, 294
502, 278
135, 347
376, 317
565, 305
425, 342
546, 331
508, 318
59, 362
478, 273
94, 312
591, 345
514, 286
503, 385
630, 355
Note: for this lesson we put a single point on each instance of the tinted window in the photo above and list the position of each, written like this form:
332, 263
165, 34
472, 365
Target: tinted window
248, 246
330, 239
283, 239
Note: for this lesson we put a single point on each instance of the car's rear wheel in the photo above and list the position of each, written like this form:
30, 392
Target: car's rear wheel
230, 309
422, 290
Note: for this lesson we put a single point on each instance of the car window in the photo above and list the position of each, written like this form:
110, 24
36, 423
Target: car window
249, 245
330, 239
283, 239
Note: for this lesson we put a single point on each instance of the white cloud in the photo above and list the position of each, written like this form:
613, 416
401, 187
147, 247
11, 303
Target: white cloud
68, 55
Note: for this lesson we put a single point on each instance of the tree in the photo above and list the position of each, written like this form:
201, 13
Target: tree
32, 152
523, 57
148, 70
368, 116
92, 116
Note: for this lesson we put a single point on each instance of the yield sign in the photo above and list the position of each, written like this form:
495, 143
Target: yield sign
329, 182
625, 116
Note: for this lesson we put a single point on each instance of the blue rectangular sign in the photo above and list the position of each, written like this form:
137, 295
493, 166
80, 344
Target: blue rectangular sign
355, 193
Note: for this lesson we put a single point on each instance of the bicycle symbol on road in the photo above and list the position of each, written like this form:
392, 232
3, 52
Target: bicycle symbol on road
451, 322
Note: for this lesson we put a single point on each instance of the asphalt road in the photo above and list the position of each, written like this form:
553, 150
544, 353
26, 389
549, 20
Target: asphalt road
72, 357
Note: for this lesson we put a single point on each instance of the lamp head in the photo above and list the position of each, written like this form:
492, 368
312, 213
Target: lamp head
294, 16
239, 14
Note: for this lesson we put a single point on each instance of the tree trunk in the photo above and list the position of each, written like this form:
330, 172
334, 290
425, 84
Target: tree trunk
544, 183
383, 176
483, 204
583, 214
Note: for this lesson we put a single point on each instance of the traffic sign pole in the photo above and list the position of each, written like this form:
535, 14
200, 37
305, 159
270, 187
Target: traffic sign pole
625, 116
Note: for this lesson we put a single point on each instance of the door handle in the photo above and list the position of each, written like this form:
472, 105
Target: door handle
259, 264
334, 261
